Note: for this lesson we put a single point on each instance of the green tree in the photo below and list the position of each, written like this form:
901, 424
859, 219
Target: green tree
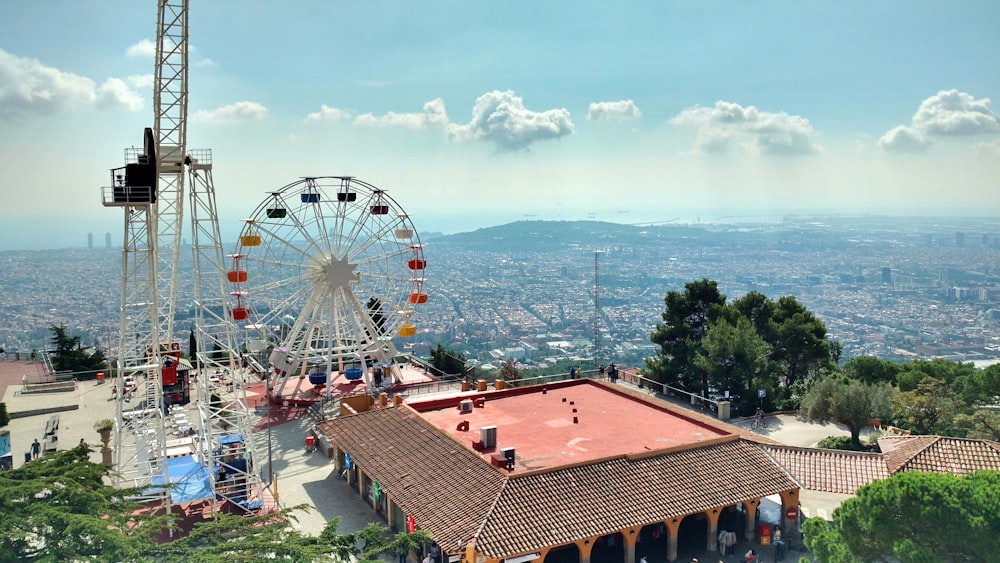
68, 354
509, 371
59, 508
931, 408
825, 542
447, 361
686, 319
735, 358
980, 425
849, 403
949, 372
869, 369
914, 517
798, 341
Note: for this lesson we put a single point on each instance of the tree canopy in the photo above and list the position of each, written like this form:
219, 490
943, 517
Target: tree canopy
914, 517
750, 344
686, 320
448, 361
68, 354
848, 402
59, 508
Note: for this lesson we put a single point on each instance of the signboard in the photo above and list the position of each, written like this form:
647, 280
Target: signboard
761, 393
523, 558
792, 513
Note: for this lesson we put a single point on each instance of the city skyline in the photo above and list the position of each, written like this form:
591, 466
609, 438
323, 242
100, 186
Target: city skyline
472, 118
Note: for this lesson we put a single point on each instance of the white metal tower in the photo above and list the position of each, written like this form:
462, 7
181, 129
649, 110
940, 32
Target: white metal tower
227, 441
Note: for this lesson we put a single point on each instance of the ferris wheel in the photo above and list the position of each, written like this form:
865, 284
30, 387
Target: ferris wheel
327, 273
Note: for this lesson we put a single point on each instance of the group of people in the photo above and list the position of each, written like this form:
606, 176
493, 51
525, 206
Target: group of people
611, 370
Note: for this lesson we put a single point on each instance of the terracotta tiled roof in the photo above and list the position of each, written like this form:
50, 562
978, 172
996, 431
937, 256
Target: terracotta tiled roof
456, 495
447, 488
558, 506
939, 454
831, 471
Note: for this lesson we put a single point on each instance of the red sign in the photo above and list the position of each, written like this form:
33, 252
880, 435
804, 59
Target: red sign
411, 525
792, 513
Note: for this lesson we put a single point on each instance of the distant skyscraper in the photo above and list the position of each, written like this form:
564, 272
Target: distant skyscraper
90, 241
886, 276
107, 241
959, 239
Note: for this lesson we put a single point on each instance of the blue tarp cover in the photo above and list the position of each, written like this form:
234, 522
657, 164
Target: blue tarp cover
188, 477
230, 439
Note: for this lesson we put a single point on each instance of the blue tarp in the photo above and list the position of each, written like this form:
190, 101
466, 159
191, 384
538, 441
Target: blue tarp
230, 439
188, 478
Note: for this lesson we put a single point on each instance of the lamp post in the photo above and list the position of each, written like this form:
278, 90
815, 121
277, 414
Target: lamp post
267, 397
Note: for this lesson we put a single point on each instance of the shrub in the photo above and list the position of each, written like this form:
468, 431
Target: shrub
837, 443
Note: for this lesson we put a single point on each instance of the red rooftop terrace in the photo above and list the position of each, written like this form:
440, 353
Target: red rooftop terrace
562, 423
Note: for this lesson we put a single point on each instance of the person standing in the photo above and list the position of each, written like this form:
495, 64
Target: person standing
572, 372
36, 449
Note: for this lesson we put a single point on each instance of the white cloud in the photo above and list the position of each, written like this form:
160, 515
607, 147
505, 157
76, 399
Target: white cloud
115, 92
28, 87
904, 139
621, 110
141, 81
501, 118
327, 113
206, 63
728, 123
434, 115
232, 113
956, 113
144, 48
947, 113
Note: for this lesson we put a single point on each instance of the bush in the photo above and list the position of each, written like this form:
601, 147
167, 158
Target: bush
4, 415
789, 404
837, 443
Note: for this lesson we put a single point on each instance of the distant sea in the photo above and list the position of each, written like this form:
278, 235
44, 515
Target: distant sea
71, 232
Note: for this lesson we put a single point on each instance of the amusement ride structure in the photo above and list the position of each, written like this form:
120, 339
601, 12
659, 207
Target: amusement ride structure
157, 449
327, 272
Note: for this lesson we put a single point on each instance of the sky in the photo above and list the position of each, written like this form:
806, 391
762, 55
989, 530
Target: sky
475, 114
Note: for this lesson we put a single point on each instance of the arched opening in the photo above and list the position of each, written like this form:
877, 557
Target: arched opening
692, 533
564, 554
609, 548
652, 541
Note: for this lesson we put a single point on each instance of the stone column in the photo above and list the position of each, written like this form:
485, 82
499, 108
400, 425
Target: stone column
673, 525
585, 546
789, 526
713, 529
750, 508
630, 535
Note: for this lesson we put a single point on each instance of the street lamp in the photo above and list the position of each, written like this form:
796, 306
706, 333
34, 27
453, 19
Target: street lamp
267, 397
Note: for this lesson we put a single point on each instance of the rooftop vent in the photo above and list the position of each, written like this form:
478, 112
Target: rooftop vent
465, 406
488, 436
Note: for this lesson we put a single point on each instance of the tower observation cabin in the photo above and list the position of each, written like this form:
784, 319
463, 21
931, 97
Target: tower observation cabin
134, 183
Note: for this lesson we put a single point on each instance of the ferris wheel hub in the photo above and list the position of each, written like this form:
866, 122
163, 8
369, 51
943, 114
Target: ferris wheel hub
337, 272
